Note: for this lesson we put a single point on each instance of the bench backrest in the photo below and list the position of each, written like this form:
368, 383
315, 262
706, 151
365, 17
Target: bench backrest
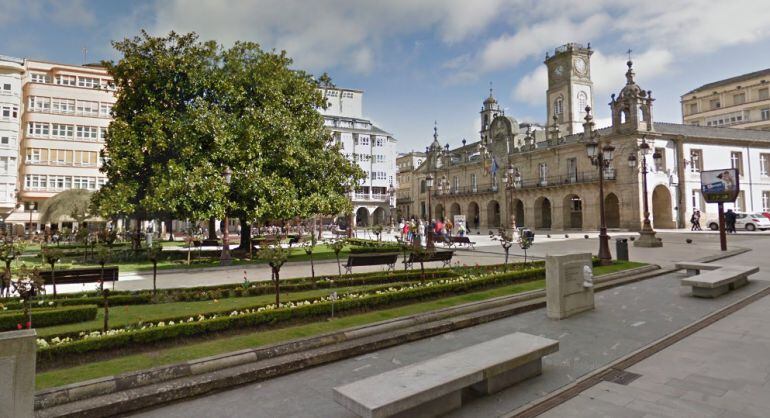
372, 259
90, 275
428, 256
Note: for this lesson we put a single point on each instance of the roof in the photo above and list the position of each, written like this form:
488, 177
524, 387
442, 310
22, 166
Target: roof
736, 79
711, 132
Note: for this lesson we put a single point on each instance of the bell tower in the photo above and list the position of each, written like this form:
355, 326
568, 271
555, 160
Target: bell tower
570, 88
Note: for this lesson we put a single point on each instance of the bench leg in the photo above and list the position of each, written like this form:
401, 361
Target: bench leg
392, 267
447, 263
348, 269
742, 281
503, 380
710, 292
434, 408
692, 272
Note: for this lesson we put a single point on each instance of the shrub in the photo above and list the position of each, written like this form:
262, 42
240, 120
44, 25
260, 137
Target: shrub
48, 317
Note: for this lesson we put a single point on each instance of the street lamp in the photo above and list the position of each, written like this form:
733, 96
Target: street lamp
224, 259
512, 181
602, 158
392, 202
429, 234
647, 234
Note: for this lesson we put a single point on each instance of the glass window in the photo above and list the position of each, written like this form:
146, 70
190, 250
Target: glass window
764, 93
736, 161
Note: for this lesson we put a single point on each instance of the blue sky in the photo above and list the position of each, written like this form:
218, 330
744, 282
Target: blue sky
425, 60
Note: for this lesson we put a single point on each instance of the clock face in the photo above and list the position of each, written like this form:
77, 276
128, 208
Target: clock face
580, 65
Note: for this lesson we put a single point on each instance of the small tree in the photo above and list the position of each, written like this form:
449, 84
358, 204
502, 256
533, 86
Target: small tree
309, 245
153, 254
275, 255
102, 257
506, 241
423, 253
28, 285
524, 243
377, 229
52, 256
337, 245
9, 251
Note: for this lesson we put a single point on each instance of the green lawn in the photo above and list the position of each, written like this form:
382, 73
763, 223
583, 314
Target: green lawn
255, 339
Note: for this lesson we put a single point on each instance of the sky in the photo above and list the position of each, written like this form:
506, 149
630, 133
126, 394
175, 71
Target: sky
421, 61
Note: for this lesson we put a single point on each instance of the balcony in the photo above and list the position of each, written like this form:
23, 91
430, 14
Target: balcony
374, 197
576, 178
466, 191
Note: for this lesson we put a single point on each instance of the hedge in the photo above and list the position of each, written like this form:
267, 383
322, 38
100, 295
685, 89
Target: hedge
48, 317
188, 329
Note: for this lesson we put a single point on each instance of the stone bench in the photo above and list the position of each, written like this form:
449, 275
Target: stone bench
719, 281
693, 268
435, 387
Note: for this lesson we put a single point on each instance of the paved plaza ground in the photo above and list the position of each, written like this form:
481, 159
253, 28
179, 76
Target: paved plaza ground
723, 370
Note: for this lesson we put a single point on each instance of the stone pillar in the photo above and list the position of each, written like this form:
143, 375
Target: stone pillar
17, 373
568, 287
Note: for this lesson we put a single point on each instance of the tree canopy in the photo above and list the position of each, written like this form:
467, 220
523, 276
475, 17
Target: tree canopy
186, 110
73, 203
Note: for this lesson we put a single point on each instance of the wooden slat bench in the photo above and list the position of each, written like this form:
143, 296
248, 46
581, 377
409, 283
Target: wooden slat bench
373, 259
719, 281
460, 241
693, 268
443, 256
89, 275
435, 387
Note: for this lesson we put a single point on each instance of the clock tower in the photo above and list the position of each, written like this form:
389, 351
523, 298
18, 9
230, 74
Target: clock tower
570, 88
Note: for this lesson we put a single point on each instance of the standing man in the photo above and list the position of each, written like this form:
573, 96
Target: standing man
730, 218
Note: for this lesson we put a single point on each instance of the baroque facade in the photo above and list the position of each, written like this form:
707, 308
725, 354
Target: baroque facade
543, 179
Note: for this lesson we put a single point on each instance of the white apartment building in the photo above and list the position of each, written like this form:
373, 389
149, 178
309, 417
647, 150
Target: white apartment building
372, 148
11, 73
65, 112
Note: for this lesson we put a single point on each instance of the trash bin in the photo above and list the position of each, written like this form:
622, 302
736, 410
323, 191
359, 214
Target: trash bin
621, 249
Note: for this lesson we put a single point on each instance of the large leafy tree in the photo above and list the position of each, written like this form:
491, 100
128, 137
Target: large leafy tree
187, 109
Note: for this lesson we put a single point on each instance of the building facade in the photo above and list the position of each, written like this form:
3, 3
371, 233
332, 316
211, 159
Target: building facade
64, 115
737, 102
543, 179
373, 149
406, 164
11, 75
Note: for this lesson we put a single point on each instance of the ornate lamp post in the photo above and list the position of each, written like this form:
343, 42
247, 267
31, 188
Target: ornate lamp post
392, 202
512, 181
224, 259
429, 230
647, 234
602, 158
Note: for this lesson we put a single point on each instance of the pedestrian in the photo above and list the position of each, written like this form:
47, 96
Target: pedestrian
448, 226
461, 230
730, 218
420, 232
695, 220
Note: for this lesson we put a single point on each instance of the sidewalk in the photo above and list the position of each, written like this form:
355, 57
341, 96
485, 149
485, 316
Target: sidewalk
626, 319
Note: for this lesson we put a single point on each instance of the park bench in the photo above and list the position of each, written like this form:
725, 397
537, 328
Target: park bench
428, 256
720, 281
89, 275
693, 268
435, 386
460, 241
372, 259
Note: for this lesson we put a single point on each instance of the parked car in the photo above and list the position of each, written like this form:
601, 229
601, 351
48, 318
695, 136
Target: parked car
747, 221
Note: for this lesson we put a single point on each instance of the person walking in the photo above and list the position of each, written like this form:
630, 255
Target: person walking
730, 218
695, 220
420, 233
448, 226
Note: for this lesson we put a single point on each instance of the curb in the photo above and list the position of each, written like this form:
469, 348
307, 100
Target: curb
136, 390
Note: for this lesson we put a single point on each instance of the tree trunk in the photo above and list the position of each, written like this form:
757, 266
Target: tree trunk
212, 229
53, 280
154, 275
106, 314
137, 238
170, 229
312, 267
245, 235
277, 288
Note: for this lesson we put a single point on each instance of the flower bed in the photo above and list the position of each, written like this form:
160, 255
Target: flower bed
47, 317
50, 348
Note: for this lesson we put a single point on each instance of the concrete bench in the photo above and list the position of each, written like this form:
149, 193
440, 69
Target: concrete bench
719, 281
693, 268
435, 387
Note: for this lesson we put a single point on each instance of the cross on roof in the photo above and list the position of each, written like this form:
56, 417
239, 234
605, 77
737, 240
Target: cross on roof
629, 54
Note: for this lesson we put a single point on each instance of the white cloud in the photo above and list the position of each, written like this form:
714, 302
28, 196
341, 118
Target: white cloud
531, 88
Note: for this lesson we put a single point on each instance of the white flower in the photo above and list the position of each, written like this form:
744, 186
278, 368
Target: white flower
50, 303
161, 324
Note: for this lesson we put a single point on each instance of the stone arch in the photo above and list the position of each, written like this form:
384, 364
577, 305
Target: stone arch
542, 213
454, 209
612, 211
378, 216
493, 214
474, 216
518, 212
661, 207
572, 209
439, 211
362, 216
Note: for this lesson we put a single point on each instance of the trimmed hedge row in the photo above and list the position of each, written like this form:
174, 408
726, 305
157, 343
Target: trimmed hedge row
48, 317
188, 329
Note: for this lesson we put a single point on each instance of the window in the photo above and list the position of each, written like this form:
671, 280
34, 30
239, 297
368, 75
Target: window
87, 108
7, 141
740, 202
736, 161
474, 185
89, 82
7, 165
693, 108
104, 110
582, 101
542, 170
61, 156
765, 114
558, 106
39, 104
697, 200
66, 80
107, 84
765, 201
764, 161
660, 164
87, 133
379, 142
763, 93
455, 184
9, 112
39, 78
696, 161
102, 134
83, 182
38, 129
33, 155
739, 99
34, 182
714, 104
62, 131
7, 87
422, 186
364, 140
572, 170
62, 105
59, 182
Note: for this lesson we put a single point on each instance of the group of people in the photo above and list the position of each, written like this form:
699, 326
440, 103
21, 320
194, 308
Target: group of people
730, 219
414, 230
